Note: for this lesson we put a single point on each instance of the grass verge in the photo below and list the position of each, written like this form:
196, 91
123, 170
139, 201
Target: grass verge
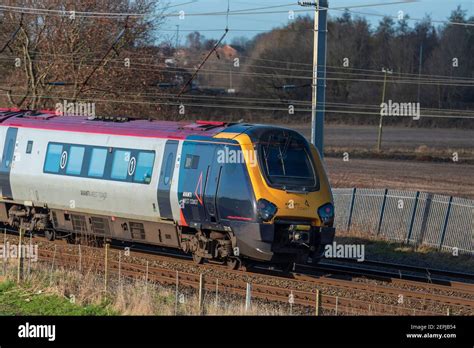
23, 300
378, 249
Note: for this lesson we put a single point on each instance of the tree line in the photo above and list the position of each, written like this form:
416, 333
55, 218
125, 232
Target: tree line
127, 67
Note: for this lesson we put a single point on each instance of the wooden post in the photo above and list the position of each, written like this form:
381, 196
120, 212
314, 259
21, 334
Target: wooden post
5, 260
291, 300
120, 269
318, 301
248, 297
52, 264
31, 255
200, 293
80, 259
176, 295
20, 258
146, 278
106, 266
217, 293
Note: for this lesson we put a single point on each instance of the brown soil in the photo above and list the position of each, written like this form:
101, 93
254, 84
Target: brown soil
443, 178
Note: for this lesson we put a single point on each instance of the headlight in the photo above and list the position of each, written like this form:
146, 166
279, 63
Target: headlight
326, 214
266, 210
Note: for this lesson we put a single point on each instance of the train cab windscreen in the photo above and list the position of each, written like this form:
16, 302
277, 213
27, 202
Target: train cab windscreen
285, 160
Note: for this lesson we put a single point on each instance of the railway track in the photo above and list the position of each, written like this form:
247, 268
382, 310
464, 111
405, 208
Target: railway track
395, 270
402, 297
261, 292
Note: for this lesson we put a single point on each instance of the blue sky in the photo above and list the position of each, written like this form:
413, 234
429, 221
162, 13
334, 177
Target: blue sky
249, 25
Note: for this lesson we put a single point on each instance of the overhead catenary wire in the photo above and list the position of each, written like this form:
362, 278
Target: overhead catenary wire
39, 11
370, 78
208, 55
289, 76
244, 107
260, 100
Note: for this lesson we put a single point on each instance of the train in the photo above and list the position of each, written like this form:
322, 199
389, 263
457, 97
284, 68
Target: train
222, 192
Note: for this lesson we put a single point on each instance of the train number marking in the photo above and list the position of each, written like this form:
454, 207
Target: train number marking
63, 161
132, 165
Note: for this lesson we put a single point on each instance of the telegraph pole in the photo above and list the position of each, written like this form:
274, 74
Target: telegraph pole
419, 70
379, 138
319, 72
177, 36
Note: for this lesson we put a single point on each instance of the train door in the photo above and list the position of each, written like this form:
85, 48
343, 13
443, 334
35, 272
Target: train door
196, 162
214, 170
6, 163
166, 176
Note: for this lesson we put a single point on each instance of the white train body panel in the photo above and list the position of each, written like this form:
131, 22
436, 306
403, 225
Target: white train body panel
113, 198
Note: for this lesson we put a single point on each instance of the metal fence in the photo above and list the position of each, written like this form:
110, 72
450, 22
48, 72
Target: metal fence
417, 218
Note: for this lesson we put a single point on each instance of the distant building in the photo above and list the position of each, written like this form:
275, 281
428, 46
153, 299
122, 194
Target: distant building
227, 52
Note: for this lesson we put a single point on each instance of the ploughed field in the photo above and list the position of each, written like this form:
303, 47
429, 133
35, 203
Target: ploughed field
365, 170
402, 138
442, 178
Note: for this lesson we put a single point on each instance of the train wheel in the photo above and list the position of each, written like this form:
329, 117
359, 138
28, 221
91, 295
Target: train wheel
198, 260
233, 263
71, 239
289, 267
50, 235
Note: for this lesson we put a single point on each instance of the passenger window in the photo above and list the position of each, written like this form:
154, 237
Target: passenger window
144, 167
53, 157
29, 146
74, 164
120, 165
97, 164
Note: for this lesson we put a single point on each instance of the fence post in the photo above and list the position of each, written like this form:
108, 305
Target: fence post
106, 266
217, 293
337, 302
146, 278
120, 269
424, 221
200, 293
445, 225
5, 260
382, 210
412, 219
80, 259
52, 264
351, 209
177, 285
248, 297
318, 302
20, 258
31, 251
